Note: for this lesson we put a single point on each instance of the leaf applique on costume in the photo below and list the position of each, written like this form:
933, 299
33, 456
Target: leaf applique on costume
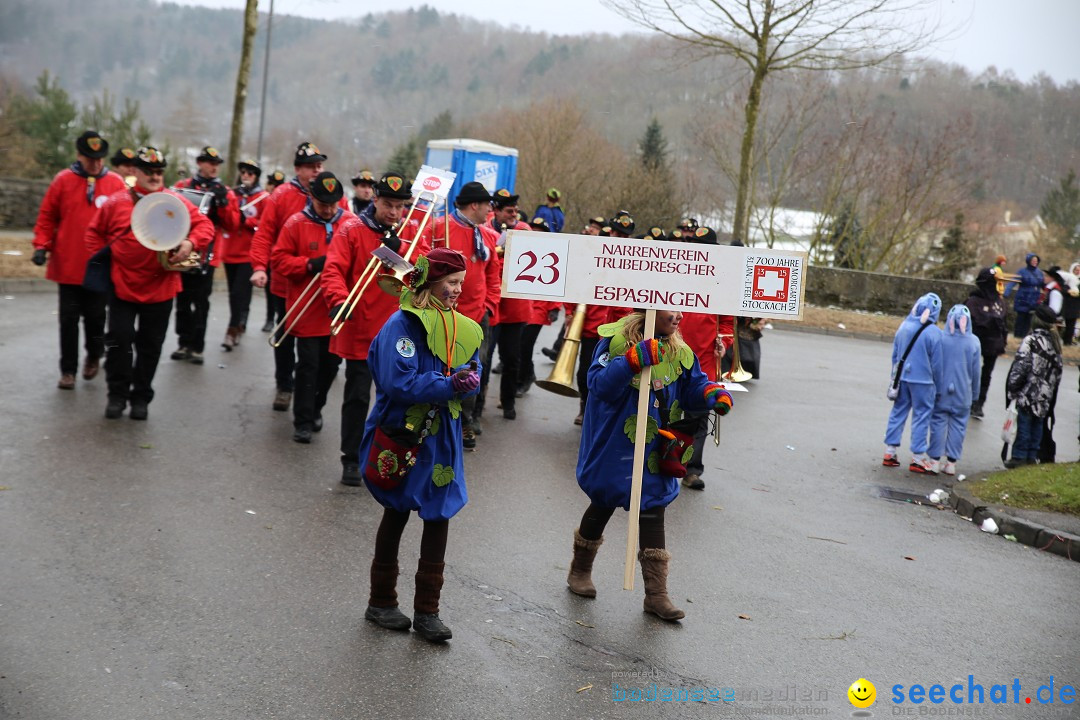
416, 417
653, 461
455, 407
687, 454
675, 413
630, 428
442, 475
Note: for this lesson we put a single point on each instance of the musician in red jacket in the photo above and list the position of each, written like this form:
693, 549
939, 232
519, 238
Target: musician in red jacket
143, 290
471, 236
235, 252
346, 260
708, 336
193, 302
298, 256
73, 197
287, 200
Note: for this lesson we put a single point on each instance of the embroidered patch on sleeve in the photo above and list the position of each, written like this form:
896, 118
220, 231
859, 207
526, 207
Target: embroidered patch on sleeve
406, 348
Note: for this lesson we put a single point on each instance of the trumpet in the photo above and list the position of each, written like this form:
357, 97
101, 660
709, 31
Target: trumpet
160, 222
274, 340
561, 379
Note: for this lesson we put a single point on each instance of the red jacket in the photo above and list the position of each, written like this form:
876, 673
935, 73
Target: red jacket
700, 330
513, 310
348, 256
62, 220
481, 290
225, 219
300, 240
287, 200
237, 247
137, 274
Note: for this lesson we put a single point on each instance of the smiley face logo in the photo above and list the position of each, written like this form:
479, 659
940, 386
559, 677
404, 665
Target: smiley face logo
862, 693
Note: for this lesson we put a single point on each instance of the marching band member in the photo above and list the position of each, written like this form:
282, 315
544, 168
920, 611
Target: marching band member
123, 163
298, 256
273, 181
606, 455
287, 200
74, 195
543, 313
363, 190
348, 256
425, 360
479, 300
708, 336
193, 302
236, 253
513, 315
143, 290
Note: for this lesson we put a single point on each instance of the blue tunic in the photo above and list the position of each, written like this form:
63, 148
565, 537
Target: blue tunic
606, 456
407, 377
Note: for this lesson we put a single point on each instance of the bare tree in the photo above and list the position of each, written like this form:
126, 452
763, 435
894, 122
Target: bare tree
236, 134
770, 36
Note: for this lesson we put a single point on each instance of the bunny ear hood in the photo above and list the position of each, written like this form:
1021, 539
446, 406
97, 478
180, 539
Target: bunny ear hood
927, 308
959, 320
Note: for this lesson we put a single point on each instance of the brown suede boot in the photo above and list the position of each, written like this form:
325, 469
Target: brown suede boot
654, 570
383, 605
580, 578
232, 338
426, 622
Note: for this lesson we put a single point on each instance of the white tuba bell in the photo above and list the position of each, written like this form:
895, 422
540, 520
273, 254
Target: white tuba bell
160, 222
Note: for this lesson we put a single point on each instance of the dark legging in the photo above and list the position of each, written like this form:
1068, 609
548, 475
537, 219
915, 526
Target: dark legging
510, 357
984, 381
650, 530
528, 345
388, 538
239, 277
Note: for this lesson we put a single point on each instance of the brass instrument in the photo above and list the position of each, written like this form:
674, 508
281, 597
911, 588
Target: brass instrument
735, 373
201, 199
392, 282
274, 340
561, 379
160, 222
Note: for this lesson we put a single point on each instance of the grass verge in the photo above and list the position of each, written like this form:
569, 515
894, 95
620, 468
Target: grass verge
1054, 487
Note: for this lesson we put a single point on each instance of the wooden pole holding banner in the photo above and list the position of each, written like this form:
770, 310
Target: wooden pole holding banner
644, 389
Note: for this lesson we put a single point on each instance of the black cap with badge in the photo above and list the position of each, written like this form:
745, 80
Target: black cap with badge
622, 224
123, 156
326, 188
392, 185
307, 153
150, 158
364, 177
211, 155
503, 198
249, 165
91, 145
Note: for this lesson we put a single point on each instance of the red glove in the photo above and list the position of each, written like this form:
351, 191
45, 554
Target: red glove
644, 353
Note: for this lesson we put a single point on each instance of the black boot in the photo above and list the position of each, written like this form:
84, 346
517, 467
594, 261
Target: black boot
426, 622
383, 606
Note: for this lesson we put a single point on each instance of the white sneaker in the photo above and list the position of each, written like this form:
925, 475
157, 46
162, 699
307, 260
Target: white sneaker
950, 468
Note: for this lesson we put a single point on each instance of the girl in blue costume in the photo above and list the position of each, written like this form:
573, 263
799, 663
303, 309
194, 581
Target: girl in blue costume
424, 360
960, 355
920, 381
606, 456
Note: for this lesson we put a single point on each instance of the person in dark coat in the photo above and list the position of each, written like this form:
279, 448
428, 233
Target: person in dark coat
988, 322
1070, 307
1029, 287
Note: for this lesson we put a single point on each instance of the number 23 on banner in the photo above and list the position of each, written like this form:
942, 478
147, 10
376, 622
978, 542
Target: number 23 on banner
535, 263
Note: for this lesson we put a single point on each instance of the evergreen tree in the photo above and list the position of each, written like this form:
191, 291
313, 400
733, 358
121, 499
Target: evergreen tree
653, 200
653, 147
845, 235
1061, 210
405, 160
49, 121
125, 128
955, 250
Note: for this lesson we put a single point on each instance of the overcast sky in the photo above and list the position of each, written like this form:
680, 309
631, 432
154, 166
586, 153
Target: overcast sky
1025, 36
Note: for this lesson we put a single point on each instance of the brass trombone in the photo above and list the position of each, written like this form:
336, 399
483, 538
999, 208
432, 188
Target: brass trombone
276, 341
561, 379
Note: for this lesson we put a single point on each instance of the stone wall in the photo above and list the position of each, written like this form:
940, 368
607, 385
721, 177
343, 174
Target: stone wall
877, 292
19, 202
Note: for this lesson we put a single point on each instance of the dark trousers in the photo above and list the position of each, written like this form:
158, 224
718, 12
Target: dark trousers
1029, 430
585, 353
510, 357
1022, 324
316, 368
1068, 331
239, 277
528, 347
473, 405
78, 302
984, 380
272, 310
285, 353
701, 433
130, 374
354, 409
193, 308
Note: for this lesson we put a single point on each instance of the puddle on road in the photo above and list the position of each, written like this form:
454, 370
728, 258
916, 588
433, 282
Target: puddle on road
905, 496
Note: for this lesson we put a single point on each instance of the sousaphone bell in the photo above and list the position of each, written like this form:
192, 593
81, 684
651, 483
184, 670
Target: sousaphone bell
160, 222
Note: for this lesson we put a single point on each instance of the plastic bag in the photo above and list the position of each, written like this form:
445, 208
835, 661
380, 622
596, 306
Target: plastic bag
1008, 429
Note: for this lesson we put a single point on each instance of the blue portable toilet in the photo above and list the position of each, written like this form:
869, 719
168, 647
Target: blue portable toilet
493, 166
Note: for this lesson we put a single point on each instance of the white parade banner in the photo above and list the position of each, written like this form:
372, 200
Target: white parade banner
625, 272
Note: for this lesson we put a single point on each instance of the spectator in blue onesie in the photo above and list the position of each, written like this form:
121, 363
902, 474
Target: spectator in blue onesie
424, 360
960, 351
606, 455
919, 382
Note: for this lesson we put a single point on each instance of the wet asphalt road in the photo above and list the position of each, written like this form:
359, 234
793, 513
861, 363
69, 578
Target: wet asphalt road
202, 565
